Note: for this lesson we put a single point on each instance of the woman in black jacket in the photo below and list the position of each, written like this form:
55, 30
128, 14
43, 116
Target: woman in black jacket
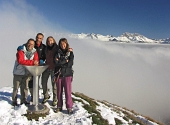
64, 74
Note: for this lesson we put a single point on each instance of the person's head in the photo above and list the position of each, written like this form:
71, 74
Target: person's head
39, 38
63, 44
30, 44
50, 41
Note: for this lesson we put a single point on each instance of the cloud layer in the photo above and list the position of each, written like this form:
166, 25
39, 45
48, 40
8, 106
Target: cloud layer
132, 76
135, 76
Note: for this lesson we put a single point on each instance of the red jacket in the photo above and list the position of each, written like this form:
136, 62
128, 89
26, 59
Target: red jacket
23, 60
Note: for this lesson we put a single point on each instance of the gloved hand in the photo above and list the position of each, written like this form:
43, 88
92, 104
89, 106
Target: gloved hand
42, 62
20, 47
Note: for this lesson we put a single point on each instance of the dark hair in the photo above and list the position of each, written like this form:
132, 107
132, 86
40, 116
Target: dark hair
63, 40
31, 39
52, 38
39, 34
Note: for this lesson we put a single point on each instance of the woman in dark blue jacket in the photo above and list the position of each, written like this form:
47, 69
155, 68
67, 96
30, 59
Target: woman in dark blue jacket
64, 74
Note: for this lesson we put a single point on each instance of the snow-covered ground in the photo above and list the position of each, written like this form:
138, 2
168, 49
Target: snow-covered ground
10, 115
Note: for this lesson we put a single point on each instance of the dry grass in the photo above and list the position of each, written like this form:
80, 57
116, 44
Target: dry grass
91, 108
130, 114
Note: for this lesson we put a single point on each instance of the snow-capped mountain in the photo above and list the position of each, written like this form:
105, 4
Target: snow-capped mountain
86, 111
167, 40
134, 37
125, 37
93, 36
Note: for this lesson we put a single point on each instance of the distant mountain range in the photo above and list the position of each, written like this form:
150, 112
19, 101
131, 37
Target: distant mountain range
124, 38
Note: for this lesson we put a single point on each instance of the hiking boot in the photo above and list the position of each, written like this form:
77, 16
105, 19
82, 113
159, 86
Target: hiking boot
54, 103
70, 111
45, 100
58, 110
14, 103
25, 102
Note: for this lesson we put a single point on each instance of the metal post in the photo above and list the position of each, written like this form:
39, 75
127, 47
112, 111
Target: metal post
36, 107
35, 90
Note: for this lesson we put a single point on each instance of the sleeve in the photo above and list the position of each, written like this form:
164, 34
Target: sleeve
44, 53
71, 59
22, 61
20, 47
36, 56
61, 62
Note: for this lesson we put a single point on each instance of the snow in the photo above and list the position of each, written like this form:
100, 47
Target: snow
14, 115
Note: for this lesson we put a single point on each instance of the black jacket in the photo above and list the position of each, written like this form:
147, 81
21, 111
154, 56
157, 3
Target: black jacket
41, 51
61, 64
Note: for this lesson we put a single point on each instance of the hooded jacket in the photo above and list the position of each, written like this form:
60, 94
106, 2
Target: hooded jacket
24, 57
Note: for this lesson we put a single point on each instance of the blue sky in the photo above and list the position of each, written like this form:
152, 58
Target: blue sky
108, 17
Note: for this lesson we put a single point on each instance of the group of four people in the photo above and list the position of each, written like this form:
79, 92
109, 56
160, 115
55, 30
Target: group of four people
59, 58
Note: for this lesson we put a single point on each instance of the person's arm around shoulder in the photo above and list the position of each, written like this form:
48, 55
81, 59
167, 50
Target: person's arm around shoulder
20, 47
71, 59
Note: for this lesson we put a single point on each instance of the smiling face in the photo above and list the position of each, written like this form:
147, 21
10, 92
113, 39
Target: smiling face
39, 39
30, 45
50, 41
63, 45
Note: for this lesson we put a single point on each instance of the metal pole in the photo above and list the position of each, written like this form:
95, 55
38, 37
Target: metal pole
36, 107
35, 90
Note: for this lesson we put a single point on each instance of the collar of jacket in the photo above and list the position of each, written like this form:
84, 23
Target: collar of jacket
25, 50
50, 47
38, 45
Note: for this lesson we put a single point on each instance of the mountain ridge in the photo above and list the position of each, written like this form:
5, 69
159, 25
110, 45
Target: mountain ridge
124, 38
